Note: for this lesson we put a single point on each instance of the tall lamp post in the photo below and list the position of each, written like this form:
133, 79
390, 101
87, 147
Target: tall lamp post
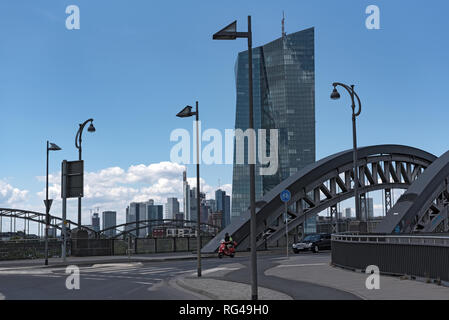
78, 140
335, 96
230, 33
48, 202
185, 113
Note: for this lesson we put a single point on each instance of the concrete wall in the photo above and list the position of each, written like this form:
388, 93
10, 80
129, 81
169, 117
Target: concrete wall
11, 250
96, 247
165, 245
92, 247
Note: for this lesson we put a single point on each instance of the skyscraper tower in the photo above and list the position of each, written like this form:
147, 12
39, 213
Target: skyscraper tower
186, 196
284, 99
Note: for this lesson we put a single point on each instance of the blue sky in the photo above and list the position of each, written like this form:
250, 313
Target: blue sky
133, 65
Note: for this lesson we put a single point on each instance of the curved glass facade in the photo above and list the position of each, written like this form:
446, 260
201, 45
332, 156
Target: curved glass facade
284, 99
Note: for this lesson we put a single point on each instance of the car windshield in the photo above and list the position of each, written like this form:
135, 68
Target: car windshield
312, 237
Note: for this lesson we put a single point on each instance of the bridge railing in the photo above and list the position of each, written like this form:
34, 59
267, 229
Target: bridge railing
394, 239
419, 256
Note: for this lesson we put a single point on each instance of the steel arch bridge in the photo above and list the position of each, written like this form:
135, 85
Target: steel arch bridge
324, 184
56, 222
143, 224
424, 207
33, 216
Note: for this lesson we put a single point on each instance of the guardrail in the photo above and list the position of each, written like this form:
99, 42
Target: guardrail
393, 239
423, 256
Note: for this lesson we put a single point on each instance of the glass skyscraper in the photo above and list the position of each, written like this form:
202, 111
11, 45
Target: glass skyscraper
284, 99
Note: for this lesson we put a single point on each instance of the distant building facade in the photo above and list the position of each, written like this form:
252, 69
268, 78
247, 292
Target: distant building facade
171, 208
96, 222
109, 220
143, 211
223, 204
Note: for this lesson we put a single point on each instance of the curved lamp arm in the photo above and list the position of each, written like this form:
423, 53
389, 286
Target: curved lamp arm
352, 93
80, 132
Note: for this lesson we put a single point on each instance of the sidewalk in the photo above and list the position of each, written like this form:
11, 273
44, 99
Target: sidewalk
52, 262
322, 273
224, 290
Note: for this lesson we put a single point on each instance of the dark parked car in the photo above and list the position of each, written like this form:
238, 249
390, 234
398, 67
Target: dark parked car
313, 242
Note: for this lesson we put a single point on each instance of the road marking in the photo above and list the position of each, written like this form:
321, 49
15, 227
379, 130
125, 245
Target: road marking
156, 271
144, 283
2, 297
218, 269
302, 265
99, 279
185, 271
45, 275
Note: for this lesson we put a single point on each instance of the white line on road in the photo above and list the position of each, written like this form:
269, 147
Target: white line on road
2, 297
218, 269
144, 283
302, 265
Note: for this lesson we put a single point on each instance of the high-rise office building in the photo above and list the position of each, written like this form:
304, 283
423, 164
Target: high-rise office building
186, 196
348, 213
193, 204
211, 204
96, 222
171, 208
142, 211
370, 206
284, 99
223, 204
109, 219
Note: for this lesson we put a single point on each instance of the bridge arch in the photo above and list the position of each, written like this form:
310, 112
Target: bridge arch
38, 217
325, 183
424, 207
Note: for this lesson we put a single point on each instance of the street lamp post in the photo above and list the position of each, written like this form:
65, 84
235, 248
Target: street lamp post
335, 96
50, 147
230, 33
78, 140
184, 113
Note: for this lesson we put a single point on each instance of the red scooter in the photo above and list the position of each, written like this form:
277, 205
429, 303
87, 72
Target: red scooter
227, 249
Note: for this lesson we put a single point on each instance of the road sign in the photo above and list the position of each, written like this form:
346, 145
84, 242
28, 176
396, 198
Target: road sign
74, 179
48, 204
285, 196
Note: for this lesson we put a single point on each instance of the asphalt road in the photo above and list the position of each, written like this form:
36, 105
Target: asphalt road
298, 290
147, 281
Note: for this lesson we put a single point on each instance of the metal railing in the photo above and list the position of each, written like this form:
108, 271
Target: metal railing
425, 256
424, 240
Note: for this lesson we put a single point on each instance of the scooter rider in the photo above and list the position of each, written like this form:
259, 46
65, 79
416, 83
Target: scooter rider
228, 240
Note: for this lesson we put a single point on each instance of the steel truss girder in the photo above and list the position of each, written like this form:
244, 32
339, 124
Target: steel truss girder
327, 182
424, 206
36, 217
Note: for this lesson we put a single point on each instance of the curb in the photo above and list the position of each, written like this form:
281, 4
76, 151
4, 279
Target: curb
180, 282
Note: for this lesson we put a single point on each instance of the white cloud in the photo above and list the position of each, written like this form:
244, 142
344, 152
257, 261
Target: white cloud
10, 196
114, 188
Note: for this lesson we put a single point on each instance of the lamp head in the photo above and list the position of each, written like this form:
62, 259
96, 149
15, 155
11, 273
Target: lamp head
227, 33
91, 127
54, 147
186, 112
335, 95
